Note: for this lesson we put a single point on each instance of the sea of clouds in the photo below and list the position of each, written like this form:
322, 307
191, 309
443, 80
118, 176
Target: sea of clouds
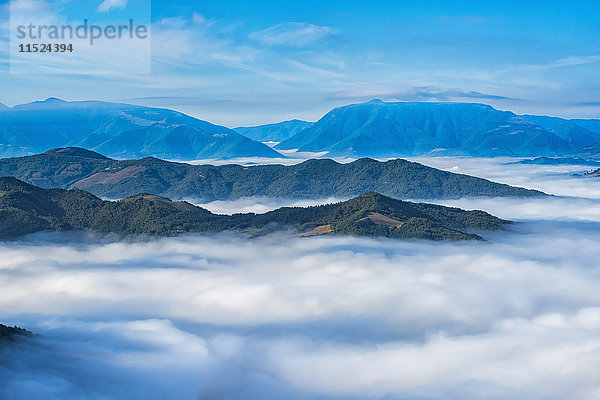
232, 317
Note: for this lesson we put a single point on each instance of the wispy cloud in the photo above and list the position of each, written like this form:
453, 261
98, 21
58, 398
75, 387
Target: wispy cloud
292, 34
108, 5
303, 69
194, 40
198, 18
570, 61
575, 60
414, 94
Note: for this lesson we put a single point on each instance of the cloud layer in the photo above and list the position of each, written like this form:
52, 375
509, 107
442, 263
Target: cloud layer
292, 34
229, 317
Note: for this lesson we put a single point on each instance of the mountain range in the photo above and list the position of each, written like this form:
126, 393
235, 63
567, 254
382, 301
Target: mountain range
372, 129
274, 132
26, 209
578, 132
381, 129
71, 168
119, 130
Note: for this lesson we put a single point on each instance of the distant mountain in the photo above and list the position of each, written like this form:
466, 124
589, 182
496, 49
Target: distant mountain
26, 209
572, 131
274, 132
78, 168
384, 129
590, 151
589, 124
559, 161
4, 107
119, 130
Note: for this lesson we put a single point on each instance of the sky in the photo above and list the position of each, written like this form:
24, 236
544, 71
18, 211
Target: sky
233, 317
244, 62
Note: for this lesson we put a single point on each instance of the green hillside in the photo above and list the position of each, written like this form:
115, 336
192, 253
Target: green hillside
72, 168
26, 209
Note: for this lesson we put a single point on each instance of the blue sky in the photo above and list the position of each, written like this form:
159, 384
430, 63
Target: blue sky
247, 62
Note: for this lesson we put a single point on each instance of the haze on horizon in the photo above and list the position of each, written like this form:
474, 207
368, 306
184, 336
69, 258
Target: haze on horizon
240, 63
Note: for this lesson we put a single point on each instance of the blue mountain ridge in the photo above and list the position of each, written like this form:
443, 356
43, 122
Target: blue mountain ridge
119, 130
387, 129
373, 129
573, 131
274, 132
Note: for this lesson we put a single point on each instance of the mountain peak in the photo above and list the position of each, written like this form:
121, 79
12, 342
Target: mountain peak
120, 130
51, 100
365, 161
76, 152
11, 184
374, 201
392, 129
163, 202
372, 196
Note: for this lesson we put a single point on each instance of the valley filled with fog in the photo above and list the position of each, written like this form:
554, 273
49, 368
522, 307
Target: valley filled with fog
232, 317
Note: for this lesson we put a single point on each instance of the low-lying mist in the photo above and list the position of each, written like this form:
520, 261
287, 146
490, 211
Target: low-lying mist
575, 196
259, 205
559, 180
232, 317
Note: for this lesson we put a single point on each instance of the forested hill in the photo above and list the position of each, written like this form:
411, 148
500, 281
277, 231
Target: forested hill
26, 209
71, 168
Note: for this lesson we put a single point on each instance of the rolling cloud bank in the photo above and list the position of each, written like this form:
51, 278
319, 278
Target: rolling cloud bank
230, 317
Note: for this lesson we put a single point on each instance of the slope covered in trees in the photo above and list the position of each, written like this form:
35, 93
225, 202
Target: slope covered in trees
71, 168
26, 209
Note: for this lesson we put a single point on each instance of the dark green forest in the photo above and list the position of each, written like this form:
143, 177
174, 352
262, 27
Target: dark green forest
26, 209
72, 168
